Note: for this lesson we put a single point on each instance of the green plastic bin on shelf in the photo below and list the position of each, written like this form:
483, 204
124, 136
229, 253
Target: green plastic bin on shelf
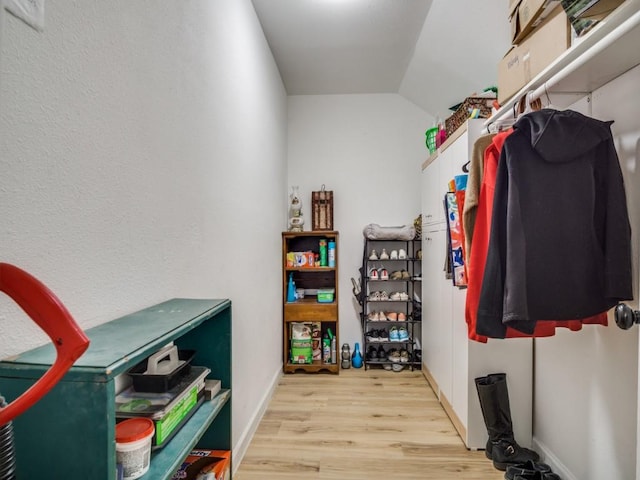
325, 295
431, 139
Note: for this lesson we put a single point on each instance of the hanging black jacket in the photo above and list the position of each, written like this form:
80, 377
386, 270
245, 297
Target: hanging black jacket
560, 242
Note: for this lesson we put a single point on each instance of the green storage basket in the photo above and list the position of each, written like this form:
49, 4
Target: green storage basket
431, 139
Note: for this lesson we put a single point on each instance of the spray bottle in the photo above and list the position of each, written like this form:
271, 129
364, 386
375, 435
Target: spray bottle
334, 353
291, 289
326, 348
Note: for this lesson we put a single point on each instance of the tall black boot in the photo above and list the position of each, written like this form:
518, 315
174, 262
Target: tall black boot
502, 447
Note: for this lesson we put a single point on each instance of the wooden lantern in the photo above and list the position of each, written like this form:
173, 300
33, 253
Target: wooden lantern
322, 210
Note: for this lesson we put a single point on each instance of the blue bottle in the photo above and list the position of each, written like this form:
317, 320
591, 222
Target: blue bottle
291, 289
332, 253
356, 357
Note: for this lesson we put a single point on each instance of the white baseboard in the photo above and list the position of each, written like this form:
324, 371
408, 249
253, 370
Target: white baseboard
547, 456
240, 448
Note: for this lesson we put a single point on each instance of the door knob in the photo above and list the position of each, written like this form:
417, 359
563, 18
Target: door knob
626, 317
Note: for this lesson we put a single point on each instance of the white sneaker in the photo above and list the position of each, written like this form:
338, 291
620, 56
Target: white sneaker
384, 255
394, 255
402, 254
373, 274
383, 274
373, 255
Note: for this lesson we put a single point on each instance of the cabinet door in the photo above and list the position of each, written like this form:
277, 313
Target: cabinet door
460, 356
432, 194
436, 309
451, 162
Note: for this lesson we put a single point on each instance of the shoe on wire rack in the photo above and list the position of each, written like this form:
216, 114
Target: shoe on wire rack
384, 255
403, 335
393, 335
373, 255
383, 336
396, 275
383, 274
372, 353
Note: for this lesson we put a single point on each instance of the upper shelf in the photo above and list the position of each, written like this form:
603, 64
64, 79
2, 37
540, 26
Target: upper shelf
121, 343
609, 50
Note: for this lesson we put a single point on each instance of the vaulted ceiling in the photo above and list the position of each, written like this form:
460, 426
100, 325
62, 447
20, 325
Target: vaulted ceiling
433, 52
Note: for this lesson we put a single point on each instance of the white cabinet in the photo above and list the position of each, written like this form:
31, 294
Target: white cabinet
452, 361
432, 208
436, 344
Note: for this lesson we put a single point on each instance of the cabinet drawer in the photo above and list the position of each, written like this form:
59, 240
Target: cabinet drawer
310, 311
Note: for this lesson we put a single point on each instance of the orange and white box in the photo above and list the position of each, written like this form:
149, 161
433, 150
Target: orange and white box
205, 464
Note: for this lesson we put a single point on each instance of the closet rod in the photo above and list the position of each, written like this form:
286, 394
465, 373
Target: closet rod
576, 57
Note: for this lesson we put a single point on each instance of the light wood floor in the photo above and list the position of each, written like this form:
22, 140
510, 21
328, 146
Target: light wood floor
359, 425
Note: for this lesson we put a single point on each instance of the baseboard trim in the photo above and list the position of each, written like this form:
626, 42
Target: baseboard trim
455, 420
548, 457
446, 405
432, 381
241, 446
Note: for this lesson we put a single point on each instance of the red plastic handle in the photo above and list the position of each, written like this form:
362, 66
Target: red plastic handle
50, 314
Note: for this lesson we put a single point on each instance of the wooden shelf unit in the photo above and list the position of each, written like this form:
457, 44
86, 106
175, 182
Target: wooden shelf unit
309, 309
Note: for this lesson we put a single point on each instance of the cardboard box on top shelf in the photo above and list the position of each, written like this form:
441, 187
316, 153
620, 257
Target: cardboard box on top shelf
526, 60
526, 15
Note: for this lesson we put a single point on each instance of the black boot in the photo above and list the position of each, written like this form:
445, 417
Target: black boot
502, 447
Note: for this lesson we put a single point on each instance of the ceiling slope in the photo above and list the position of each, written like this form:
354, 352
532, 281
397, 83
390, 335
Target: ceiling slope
433, 52
342, 46
457, 53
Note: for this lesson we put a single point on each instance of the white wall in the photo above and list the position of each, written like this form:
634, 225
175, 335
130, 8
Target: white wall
586, 383
368, 149
143, 157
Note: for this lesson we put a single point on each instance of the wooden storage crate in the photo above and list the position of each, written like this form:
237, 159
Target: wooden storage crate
462, 113
322, 210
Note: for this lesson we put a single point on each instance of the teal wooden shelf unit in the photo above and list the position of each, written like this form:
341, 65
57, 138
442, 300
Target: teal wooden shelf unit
70, 432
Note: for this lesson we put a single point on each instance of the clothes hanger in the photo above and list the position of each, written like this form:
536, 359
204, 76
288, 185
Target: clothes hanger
527, 104
498, 126
501, 124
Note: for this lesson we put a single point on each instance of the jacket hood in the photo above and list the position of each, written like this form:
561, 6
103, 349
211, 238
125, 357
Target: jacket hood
561, 136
